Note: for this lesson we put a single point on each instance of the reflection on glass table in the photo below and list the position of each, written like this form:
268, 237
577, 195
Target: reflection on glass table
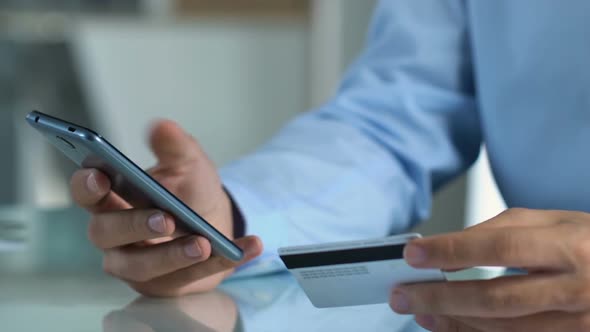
54, 282
213, 311
269, 303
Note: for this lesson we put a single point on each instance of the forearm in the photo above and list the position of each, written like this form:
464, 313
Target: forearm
365, 165
331, 184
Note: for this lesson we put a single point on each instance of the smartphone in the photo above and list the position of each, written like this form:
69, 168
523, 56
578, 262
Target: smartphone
90, 150
354, 272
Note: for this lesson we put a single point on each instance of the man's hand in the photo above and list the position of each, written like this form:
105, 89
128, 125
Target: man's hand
553, 246
141, 246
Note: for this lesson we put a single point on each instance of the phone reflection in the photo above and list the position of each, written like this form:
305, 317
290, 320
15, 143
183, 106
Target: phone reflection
207, 312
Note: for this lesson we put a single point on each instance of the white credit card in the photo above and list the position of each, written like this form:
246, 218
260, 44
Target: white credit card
354, 272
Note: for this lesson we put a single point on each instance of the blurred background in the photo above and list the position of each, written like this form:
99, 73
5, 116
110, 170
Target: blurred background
231, 71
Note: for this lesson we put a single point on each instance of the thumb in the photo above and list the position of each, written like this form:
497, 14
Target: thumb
172, 145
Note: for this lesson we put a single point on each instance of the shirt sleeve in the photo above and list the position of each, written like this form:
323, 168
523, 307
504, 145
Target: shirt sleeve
402, 123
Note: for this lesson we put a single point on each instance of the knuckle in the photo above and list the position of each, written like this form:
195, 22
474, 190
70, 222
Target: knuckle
95, 232
449, 248
505, 247
581, 251
495, 298
135, 224
76, 182
175, 253
516, 213
167, 260
572, 218
119, 265
568, 224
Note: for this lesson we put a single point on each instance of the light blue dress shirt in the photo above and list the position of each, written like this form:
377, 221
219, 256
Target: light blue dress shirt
437, 78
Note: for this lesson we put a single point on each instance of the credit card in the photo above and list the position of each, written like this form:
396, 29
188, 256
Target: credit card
354, 272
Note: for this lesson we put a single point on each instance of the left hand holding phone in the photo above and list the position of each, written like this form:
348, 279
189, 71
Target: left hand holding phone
143, 246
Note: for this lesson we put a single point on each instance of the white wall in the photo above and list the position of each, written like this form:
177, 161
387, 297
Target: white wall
229, 83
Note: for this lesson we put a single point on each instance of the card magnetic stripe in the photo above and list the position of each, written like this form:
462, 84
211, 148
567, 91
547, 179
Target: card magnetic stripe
344, 256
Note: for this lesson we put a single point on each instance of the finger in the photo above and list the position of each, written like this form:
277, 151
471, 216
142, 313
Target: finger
172, 145
519, 217
118, 228
501, 297
91, 189
542, 322
141, 264
251, 245
443, 324
517, 246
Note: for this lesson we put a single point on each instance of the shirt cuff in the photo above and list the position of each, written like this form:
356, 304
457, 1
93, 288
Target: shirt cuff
261, 219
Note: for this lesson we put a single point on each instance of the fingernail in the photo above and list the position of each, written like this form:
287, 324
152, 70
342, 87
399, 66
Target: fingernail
400, 302
426, 321
414, 254
192, 249
157, 223
91, 183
